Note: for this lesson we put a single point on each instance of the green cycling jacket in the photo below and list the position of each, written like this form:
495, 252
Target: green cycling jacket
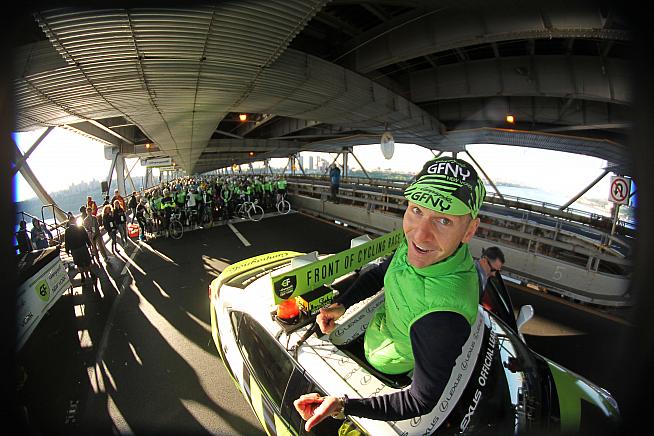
411, 293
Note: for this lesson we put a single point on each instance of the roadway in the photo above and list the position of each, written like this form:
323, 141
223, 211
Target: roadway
134, 354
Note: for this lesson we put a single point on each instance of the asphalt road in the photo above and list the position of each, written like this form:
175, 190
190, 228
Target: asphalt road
134, 354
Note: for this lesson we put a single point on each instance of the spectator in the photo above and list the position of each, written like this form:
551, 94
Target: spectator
132, 205
110, 226
90, 203
121, 221
39, 239
490, 263
24, 243
77, 242
92, 227
335, 179
141, 212
120, 198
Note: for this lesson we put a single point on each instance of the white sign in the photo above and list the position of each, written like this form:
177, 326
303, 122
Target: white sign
157, 162
620, 188
37, 295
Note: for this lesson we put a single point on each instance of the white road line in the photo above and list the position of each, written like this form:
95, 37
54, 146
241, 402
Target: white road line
238, 235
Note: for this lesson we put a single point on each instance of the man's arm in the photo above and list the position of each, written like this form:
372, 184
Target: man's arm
437, 339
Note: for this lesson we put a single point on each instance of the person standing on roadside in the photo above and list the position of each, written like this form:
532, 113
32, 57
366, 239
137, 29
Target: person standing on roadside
120, 219
110, 227
77, 243
133, 202
92, 226
335, 181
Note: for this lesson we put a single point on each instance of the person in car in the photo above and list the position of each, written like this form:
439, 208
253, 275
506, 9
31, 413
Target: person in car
431, 298
489, 264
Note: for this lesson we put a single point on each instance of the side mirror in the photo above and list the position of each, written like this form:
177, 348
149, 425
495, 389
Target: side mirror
526, 313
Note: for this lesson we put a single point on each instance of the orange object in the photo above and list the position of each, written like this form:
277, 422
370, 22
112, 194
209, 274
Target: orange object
133, 230
287, 311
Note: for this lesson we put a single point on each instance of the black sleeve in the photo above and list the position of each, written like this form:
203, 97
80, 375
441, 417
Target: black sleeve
366, 285
437, 339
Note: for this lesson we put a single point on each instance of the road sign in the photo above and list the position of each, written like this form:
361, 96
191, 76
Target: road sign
620, 188
157, 162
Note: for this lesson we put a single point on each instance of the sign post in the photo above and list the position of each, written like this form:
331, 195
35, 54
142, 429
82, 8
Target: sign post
618, 195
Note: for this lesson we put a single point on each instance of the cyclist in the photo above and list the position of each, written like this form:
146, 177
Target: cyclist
167, 206
281, 188
155, 206
207, 200
268, 192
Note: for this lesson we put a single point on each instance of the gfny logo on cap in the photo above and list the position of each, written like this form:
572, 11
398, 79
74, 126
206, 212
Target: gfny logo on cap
449, 169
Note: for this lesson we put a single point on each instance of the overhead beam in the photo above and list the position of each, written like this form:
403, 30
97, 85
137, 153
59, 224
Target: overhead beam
22, 159
549, 76
390, 43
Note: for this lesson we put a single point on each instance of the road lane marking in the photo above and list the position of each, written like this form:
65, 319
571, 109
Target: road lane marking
238, 235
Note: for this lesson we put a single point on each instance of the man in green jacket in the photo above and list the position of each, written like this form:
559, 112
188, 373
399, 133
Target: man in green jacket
431, 298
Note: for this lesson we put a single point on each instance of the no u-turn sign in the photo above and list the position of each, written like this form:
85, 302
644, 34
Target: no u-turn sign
620, 188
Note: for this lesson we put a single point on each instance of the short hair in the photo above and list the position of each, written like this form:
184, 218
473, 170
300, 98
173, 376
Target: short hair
493, 253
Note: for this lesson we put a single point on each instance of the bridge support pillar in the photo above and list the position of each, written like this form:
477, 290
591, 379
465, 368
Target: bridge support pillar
120, 174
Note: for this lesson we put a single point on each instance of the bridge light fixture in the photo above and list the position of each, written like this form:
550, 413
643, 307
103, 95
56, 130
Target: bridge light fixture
243, 117
510, 119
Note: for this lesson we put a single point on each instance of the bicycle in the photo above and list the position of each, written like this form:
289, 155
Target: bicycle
207, 215
251, 210
283, 206
175, 227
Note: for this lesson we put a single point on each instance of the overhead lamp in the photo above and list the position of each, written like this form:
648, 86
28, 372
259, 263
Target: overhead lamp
148, 145
251, 154
510, 119
243, 117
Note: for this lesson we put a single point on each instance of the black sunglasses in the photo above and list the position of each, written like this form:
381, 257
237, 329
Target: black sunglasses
492, 270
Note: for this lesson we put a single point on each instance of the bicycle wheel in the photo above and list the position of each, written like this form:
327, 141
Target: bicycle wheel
283, 207
207, 216
255, 213
176, 229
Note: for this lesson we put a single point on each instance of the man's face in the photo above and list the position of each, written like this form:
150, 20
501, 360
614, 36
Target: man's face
433, 236
492, 266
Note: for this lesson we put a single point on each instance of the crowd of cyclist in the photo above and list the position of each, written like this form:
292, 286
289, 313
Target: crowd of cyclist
197, 201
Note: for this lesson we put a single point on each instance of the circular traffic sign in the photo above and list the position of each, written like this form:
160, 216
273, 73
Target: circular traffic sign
619, 190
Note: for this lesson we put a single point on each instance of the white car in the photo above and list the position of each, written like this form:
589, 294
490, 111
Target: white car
497, 384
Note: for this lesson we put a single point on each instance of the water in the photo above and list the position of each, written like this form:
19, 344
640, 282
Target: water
546, 197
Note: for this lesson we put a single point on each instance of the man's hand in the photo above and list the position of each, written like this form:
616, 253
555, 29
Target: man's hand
327, 317
314, 409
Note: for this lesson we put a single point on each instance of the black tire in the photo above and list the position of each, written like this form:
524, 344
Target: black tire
176, 229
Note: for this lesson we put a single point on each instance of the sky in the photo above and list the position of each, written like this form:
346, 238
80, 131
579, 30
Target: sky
65, 158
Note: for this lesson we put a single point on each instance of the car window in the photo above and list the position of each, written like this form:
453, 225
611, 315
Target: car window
269, 363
